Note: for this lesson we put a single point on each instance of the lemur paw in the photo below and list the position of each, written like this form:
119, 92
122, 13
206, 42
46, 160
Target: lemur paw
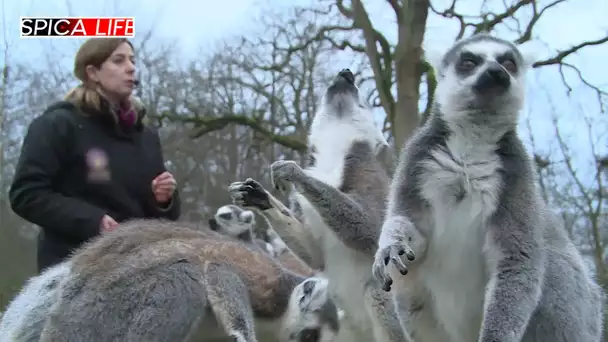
391, 250
249, 194
282, 173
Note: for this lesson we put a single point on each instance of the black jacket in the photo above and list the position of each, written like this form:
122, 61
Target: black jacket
61, 185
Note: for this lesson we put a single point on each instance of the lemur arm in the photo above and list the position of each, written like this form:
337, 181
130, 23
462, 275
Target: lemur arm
341, 213
294, 233
516, 257
280, 219
229, 302
397, 226
291, 260
514, 288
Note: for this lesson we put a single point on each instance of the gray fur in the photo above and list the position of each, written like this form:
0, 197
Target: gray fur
341, 196
25, 315
488, 260
351, 209
166, 281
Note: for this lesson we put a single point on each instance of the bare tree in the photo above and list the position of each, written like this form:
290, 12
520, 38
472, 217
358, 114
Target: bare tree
580, 192
280, 74
399, 69
227, 115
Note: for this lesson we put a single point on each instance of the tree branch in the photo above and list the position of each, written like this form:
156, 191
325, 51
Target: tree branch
204, 125
561, 55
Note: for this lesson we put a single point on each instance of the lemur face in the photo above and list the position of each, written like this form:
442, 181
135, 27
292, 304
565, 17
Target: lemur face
482, 73
342, 117
314, 315
232, 220
342, 96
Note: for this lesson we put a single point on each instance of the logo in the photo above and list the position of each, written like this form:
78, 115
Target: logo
97, 163
117, 27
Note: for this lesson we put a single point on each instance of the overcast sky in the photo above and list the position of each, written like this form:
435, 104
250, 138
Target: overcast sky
200, 23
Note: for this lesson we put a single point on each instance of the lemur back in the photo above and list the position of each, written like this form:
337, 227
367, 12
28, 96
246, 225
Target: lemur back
24, 317
163, 280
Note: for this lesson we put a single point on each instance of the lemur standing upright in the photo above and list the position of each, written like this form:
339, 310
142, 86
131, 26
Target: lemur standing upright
155, 280
491, 262
340, 198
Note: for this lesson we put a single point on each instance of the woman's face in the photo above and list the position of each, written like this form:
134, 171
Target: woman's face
117, 74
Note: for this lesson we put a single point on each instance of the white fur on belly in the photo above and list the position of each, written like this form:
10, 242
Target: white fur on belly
347, 271
463, 195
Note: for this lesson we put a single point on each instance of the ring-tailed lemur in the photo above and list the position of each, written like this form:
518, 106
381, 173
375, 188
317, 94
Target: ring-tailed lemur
341, 197
233, 221
25, 315
498, 265
156, 280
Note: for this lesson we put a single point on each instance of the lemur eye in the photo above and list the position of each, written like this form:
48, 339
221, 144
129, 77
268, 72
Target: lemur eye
467, 64
510, 65
225, 216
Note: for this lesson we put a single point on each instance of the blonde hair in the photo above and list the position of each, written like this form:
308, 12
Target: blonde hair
94, 52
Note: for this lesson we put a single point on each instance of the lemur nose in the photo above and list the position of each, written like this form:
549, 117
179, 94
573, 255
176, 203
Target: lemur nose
499, 75
493, 79
347, 75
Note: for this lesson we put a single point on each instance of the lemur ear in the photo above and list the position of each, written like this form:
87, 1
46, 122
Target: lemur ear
530, 52
340, 314
433, 55
247, 216
213, 224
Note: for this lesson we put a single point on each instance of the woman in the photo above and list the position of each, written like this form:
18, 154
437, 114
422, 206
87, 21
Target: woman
89, 162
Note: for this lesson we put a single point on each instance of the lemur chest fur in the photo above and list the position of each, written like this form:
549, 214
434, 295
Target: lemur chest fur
461, 182
346, 269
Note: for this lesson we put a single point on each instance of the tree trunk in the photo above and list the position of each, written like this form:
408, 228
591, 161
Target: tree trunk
409, 67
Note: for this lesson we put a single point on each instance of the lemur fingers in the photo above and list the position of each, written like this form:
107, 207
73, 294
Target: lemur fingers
249, 193
282, 173
397, 239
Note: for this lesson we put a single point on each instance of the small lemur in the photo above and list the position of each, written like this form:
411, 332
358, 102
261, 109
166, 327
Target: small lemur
25, 315
156, 280
240, 224
486, 259
233, 221
340, 200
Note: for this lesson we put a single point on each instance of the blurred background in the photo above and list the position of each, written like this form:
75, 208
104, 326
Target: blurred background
233, 86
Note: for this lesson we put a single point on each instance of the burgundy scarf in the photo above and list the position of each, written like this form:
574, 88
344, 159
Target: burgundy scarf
127, 115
